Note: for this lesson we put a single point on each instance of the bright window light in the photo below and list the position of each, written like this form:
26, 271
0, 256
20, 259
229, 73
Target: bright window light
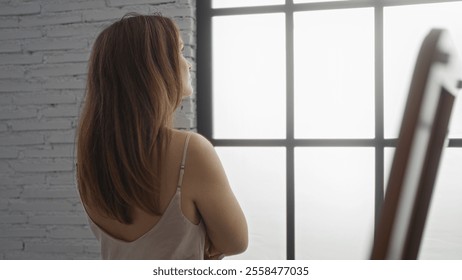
249, 76
404, 30
334, 202
334, 74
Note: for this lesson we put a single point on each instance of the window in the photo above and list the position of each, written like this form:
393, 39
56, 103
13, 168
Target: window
303, 100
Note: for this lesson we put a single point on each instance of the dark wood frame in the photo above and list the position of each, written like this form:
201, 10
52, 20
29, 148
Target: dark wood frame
422, 137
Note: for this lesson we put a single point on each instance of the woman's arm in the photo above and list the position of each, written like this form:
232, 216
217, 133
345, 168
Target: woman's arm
223, 217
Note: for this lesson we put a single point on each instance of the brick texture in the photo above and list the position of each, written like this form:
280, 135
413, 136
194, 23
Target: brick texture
44, 49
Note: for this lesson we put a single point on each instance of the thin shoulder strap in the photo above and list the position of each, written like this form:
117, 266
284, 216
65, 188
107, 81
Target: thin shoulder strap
183, 160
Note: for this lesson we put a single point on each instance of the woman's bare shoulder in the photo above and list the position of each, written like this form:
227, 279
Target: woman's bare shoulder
202, 157
200, 142
199, 147
198, 138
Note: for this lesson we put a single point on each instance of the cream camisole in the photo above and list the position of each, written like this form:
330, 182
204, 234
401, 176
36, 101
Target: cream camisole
173, 237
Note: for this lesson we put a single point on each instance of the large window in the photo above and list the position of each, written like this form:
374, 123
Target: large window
303, 100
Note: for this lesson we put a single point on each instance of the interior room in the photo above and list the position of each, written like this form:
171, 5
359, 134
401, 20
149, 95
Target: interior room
302, 99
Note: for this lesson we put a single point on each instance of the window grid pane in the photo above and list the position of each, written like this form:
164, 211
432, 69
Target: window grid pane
384, 146
249, 77
326, 205
404, 30
334, 73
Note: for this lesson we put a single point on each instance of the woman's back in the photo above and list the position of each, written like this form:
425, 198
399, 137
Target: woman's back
202, 205
157, 237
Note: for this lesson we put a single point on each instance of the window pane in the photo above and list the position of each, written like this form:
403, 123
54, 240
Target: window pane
257, 176
244, 3
334, 202
334, 74
404, 30
442, 237
249, 76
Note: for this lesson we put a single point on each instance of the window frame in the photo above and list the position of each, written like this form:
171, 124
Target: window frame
205, 13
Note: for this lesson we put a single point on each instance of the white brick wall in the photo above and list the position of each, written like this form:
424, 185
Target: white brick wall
44, 48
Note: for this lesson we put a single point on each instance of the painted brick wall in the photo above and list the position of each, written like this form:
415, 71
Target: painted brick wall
44, 48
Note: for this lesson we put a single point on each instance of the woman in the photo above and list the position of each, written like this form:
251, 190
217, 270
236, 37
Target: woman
150, 191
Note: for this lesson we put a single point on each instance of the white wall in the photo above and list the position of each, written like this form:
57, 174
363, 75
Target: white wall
44, 48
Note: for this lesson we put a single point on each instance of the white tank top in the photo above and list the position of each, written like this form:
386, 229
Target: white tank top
174, 237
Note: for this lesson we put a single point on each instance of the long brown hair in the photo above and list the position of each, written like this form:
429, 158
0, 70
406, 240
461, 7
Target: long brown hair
133, 88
